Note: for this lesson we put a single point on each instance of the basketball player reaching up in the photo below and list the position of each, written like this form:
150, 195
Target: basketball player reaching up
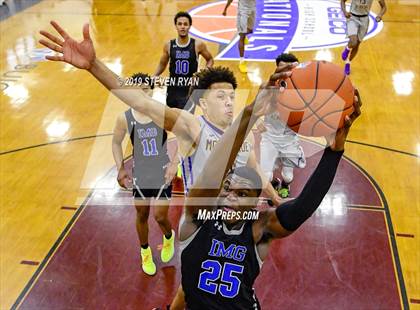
196, 136
151, 181
221, 258
279, 142
245, 23
182, 55
357, 26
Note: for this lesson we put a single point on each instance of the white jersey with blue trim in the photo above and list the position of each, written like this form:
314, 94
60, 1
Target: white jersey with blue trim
360, 7
193, 165
278, 132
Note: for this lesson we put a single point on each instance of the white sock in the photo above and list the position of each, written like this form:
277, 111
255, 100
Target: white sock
348, 60
241, 59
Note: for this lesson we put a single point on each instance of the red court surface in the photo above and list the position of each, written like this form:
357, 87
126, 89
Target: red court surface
341, 258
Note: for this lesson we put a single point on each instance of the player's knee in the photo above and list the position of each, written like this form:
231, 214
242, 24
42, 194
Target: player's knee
160, 217
287, 174
353, 42
142, 214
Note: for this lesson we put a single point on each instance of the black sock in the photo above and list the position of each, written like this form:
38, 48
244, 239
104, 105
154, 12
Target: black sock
168, 236
284, 184
144, 246
275, 182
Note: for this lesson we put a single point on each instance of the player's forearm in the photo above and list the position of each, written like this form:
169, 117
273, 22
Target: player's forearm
210, 63
159, 70
210, 180
117, 153
343, 6
104, 75
295, 212
111, 81
383, 8
229, 2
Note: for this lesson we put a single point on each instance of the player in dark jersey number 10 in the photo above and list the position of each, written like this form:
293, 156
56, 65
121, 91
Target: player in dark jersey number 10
182, 54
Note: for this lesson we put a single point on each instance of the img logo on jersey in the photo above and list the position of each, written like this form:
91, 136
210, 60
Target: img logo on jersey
219, 277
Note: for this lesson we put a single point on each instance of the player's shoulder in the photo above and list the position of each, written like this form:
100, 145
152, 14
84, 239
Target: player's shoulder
199, 44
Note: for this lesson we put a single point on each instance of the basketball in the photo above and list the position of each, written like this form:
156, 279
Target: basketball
317, 98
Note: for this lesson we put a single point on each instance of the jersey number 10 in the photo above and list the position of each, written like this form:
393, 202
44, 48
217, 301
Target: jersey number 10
229, 287
182, 67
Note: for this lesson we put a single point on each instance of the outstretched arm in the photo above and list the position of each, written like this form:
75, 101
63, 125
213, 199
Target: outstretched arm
210, 180
82, 55
283, 220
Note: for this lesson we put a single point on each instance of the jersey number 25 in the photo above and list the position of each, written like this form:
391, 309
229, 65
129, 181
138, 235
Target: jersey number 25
229, 287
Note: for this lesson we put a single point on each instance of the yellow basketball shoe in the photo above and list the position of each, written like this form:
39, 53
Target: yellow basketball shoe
147, 263
246, 41
242, 67
168, 248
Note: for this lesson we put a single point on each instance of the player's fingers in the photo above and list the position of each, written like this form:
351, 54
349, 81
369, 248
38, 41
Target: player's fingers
55, 58
52, 37
357, 94
284, 66
279, 76
86, 35
347, 121
51, 46
60, 30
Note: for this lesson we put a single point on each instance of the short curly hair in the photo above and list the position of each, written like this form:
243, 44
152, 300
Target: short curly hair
286, 57
182, 14
143, 78
207, 77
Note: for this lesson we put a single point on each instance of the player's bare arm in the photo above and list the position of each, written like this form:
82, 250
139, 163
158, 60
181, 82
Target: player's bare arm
344, 10
203, 51
120, 130
209, 182
228, 3
164, 60
267, 186
383, 10
285, 219
82, 55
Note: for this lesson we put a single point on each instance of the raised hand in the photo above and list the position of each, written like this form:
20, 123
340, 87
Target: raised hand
266, 100
79, 54
338, 139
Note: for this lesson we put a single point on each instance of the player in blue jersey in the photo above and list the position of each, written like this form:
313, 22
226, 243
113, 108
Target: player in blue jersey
221, 257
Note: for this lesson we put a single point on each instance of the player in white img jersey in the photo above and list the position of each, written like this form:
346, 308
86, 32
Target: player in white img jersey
280, 144
357, 26
245, 23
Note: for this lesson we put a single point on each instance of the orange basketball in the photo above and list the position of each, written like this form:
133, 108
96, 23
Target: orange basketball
317, 98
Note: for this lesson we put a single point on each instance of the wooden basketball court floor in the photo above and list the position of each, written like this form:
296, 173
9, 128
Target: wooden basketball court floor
67, 237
